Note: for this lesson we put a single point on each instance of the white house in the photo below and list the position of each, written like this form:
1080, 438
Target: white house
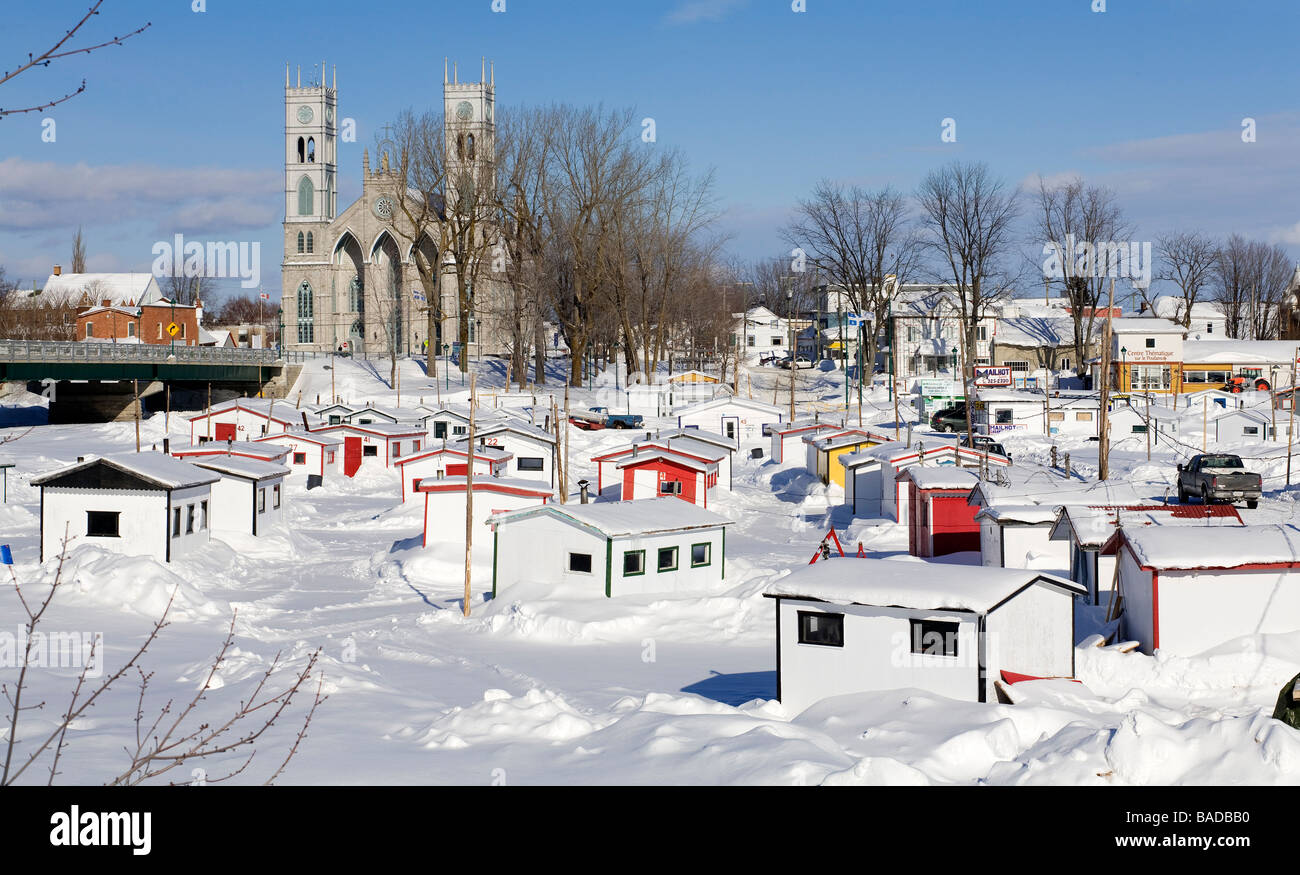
1185, 593
611, 548
1089, 533
140, 504
860, 625
763, 334
309, 452
451, 421
533, 449
246, 419
1133, 420
738, 419
1244, 427
380, 440
788, 439
1014, 536
449, 461
249, 497
999, 411
444, 508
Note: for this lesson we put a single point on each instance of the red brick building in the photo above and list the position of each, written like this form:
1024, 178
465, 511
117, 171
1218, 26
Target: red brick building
145, 323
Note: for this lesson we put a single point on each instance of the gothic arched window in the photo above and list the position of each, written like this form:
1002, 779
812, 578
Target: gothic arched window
469, 146
302, 151
306, 197
311, 150
311, 242
356, 296
301, 243
306, 314
460, 147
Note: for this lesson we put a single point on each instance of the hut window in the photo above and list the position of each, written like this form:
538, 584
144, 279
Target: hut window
824, 630
580, 563
701, 555
633, 563
934, 638
531, 464
102, 524
667, 558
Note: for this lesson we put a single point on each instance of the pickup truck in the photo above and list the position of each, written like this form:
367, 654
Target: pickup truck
1218, 477
618, 420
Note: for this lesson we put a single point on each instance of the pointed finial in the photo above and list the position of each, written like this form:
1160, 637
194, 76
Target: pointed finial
482, 76
445, 80
365, 162
300, 76
286, 75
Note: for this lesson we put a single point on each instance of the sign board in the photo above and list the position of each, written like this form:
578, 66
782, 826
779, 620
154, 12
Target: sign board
173, 329
932, 388
990, 376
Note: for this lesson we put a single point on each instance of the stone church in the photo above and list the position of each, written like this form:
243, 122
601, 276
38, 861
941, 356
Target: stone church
350, 280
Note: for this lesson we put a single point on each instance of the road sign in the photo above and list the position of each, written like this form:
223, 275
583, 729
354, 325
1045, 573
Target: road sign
173, 329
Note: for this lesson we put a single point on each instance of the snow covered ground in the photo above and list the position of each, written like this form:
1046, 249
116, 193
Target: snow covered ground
533, 689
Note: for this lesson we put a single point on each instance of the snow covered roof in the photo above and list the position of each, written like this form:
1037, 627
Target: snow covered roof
1025, 514
221, 448
799, 425
701, 449
615, 519
95, 288
651, 455
238, 466
380, 429
510, 485
1144, 325
489, 454
1010, 396
1239, 352
698, 434
1035, 331
1092, 527
522, 429
323, 440
729, 401
1040, 486
941, 477
156, 469
1182, 547
930, 586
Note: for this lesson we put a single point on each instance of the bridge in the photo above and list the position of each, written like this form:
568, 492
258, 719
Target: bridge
94, 381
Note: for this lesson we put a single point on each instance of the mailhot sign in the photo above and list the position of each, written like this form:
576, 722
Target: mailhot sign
987, 376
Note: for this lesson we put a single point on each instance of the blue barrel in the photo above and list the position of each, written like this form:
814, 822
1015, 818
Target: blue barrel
6, 557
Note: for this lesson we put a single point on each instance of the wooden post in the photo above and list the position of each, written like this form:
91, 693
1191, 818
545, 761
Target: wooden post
559, 464
469, 496
564, 482
209, 411
1205, 416
1103, 445
167, 417
135, 388
1148, 425
893, 377
1291, 427
334, 366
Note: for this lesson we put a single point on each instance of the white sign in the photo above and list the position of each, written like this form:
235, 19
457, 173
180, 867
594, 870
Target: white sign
987, 376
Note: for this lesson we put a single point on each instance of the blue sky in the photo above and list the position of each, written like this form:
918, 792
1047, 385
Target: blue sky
181, 129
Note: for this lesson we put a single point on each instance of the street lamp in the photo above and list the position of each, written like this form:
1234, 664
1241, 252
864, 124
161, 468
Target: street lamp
446, 365
1123, 369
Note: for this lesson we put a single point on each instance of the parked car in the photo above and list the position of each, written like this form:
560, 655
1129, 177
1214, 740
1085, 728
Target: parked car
800, 363
619, 420
950, 419
1218, 477
984, 442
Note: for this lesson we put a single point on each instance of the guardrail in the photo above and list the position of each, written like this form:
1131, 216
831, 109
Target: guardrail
91, 352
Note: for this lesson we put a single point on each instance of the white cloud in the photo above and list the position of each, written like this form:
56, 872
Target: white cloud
692, 11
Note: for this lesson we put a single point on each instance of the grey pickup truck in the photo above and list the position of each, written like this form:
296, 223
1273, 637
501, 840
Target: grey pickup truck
1218, 477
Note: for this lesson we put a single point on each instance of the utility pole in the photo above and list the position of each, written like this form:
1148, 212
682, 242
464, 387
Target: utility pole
469, 495
209, 411
564, 481
789, 309
135, 389
1103, 444
1290, 431
1148, 425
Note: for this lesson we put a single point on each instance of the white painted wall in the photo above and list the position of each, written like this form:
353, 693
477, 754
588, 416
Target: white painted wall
143, 521
234, 503
1135, 584
876, 656
1201, 610
1031, 634
320, 460
444, 517
524, 447
747, 422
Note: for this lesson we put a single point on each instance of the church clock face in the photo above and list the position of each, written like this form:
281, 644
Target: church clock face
305, 115
465, 111
329, 114
384, 208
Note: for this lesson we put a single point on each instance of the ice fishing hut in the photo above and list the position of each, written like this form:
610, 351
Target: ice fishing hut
444, 507
309, 452
449, 461
940, 519
862, 625
139, 504
249, 497
739, 419
655, 546
378, 441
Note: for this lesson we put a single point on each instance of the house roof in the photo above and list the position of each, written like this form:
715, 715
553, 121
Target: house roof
698, 434
1239, 352
237, 466
658, 455
614, 519
1185, 548
941, 477
155, 469
1094, 526
1023, 514
379, 429
487, 454
310, 437
1144, 325
930, 586
522, 429
503, 485
95, 288
731, 401
233, 448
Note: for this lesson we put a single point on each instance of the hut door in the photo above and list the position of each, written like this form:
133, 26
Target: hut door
225, 431
351, 455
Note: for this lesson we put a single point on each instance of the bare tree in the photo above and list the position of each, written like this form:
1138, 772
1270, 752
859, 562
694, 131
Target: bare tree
60, 50
1188, 261
969, 216
78, 253
1248, 282
862, 243
181, 733
1074, 216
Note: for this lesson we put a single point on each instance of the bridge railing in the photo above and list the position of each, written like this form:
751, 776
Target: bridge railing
133, 353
